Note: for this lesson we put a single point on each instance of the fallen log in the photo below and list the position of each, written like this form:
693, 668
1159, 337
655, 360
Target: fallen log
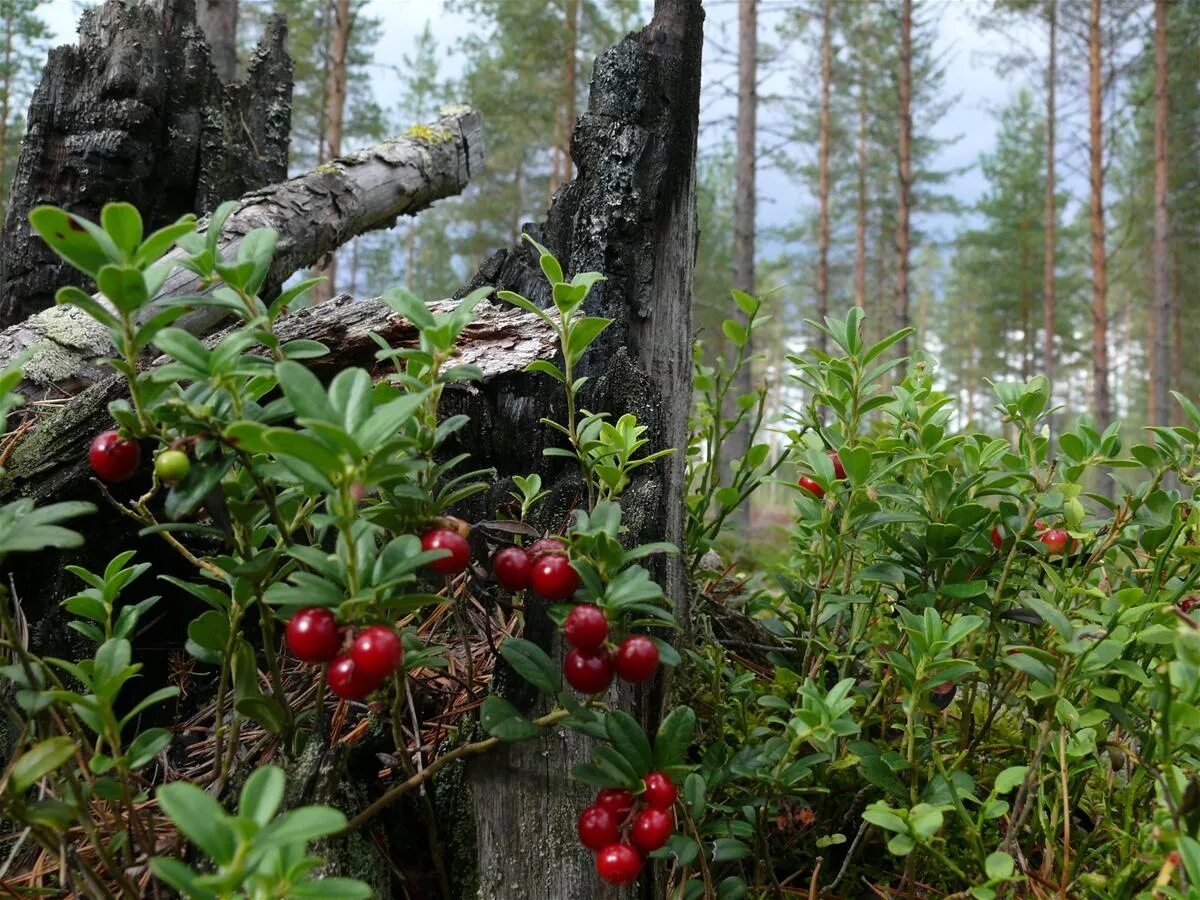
47, 460
314, 214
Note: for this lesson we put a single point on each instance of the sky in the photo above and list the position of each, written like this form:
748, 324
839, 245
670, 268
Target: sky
971, 77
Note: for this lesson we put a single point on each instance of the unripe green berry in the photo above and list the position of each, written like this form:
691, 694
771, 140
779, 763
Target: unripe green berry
172, 466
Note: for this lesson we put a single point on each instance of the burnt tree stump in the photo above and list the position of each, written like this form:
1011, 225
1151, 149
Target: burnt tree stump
135, 111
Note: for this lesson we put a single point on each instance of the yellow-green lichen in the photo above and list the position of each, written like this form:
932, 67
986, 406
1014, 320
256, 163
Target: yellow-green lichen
430, 135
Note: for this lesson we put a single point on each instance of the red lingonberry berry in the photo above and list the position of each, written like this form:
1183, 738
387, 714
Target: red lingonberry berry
617, 801
345, 679
651, 829
113, 457
586, 628
445, 539
597, 828
838, 471
660, 791
618, 864
811, 486
545, 545
636, 659
377, 652
312, 635
588, 673
1055, 540
1040, 525
997, 537
553, 578
1187, 604
511, 567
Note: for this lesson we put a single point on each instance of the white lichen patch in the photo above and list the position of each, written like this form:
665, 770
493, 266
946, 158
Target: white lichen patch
71, 327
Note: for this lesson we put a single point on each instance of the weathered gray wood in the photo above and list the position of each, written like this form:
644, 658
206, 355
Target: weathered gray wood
313, 213
135, 111
50, 460
629, 214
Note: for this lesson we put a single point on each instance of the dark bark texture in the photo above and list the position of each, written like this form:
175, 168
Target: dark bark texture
630, 214
135, 111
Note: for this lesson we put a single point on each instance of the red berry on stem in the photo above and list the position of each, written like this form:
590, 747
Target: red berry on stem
445, 539
997, 537
377, 652
312, 635
838, 471
1187, 604
586, 628
617, 801
651, 829
1040, 525
545, 545
345, 679
660, 791
636, 659
1055, 540
553, 578
113, 457
618, 864
587, 673
597, 828
511, 567
811, 486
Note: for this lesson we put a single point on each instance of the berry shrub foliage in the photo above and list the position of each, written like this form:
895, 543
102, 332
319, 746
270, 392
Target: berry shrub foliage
337, 543
971, 672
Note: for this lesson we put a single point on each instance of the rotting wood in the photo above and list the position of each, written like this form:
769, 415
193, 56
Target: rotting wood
313, 214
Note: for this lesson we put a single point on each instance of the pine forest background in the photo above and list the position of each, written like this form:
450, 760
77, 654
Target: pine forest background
829, 176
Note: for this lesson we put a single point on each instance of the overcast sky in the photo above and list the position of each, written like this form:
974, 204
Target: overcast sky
971, 77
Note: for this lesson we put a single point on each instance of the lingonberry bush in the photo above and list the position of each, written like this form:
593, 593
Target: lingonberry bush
330, 505
970, 672
979, 672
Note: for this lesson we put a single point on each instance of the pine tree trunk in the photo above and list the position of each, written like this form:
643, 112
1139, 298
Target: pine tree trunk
1048, 329
136, 112
1100, 391
6, 86
744, 212
218, 19
860, 221
823, 176
572, 67
904, 174
335, 115
1160, 363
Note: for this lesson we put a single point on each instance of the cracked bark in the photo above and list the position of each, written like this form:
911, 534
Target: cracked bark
135, 111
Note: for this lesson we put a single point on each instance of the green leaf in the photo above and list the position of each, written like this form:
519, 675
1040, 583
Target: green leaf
177, 875
629, 740
38, 762
583, 332
200, 818
695, 790
124, 286
124, 225
264, 710
160, 242
262, 794
330, 889
674, 737
501, 719
999, 865
729, 849
531, 663
302, 825
1009, 778
73, 296
305, 392
69, 239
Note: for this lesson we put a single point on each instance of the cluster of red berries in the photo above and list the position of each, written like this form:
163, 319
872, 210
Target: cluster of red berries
543, 566
590, 665
815, 489
1054, 539
375, 652
621, 828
